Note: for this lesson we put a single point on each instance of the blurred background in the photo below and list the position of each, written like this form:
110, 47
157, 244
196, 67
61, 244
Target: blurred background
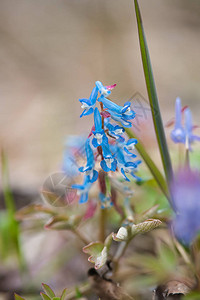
53, 51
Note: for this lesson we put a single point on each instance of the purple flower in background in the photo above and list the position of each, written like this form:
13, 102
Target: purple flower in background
185, 189
190, 137
178, 133
184, 134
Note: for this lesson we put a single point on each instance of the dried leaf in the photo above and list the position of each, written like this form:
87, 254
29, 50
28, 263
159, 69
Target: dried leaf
63, 222
145, 226
32, 209
98, 253
121, 236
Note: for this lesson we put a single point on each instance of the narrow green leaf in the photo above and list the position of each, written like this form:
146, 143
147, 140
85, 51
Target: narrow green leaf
17, 297
48, 290
12, 224
64, 293
150, 163
44, 296
153, 99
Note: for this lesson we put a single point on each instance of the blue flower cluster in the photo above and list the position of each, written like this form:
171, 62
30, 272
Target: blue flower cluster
183, 134
107, 140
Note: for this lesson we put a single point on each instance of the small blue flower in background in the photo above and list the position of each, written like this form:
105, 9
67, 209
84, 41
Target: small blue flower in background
74, 149
178, 133
83, 189
109, 163
89, 104
89, 169
190, 137
185, 189
103, 90
99, 134
105, 201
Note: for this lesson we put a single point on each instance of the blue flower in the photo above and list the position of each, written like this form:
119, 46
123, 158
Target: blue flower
119, 113
178, 133
83, 189
126, 167
89, 104
105, 201
109, 163
130, 145
103, 90
185, 189
125, 111
115, 131
99, 135
190, 137
89, 169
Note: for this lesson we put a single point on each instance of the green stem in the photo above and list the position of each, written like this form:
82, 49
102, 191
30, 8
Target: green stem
119, 253
102, 224
150, 164
80, 236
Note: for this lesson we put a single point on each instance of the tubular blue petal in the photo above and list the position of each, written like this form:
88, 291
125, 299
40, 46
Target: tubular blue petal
95, 176
132, 141
97, 120
93, 96
129, 153
88, 112
85, 101
102, 89
124, 175
89, 154
104, 166
83, 198
83, 113
113, 107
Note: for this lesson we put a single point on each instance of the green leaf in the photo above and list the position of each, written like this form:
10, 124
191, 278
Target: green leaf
48, 290
153, 99
44, 296
64, 293
17, 297
98, 253
78, 293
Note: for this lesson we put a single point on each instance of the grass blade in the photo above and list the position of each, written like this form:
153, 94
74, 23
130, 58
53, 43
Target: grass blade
153, 99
